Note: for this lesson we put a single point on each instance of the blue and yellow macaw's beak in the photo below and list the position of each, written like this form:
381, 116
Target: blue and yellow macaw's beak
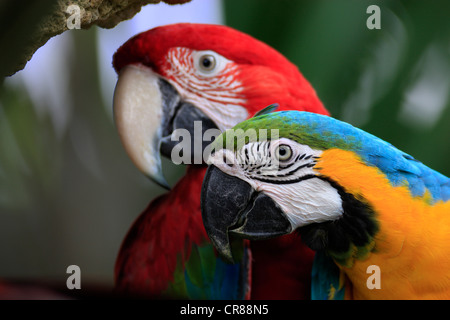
147, 111
232, 208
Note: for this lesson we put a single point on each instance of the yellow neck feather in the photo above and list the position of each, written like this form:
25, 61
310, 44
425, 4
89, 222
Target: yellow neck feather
412, 245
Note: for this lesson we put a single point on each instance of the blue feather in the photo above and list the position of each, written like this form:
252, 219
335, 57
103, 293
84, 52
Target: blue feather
399, 167
325, 281
209, 277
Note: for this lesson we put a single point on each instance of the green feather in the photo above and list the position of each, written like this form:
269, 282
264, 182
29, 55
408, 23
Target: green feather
177, 288
276, 125
268, 109
208, 262
194, 267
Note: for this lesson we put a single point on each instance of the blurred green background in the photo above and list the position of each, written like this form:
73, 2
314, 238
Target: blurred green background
69, 193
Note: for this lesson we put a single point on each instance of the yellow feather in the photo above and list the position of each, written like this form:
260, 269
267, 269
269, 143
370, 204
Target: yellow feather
413, 244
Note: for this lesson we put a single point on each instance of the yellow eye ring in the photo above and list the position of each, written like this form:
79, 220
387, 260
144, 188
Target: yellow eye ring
283, 152
207, 62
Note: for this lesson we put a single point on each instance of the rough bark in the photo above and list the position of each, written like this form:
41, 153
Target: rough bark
53, 21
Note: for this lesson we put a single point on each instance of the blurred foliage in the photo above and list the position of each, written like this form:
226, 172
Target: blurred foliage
33, 154
66, 199
70, 198
363, 75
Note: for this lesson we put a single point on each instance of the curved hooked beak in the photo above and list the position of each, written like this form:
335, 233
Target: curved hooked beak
147, 111
232, 208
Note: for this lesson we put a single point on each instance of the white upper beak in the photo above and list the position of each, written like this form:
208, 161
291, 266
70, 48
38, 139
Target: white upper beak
138, 112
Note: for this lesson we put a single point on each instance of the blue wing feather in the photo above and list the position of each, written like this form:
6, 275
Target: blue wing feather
325, 281
209, 277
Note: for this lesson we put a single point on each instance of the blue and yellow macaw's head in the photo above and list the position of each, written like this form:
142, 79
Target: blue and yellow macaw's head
286, 171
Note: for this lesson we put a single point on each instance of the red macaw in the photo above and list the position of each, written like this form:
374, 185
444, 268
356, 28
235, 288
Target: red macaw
169, 77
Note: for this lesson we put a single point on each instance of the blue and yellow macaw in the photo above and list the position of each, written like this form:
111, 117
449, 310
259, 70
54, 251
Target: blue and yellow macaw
367, 208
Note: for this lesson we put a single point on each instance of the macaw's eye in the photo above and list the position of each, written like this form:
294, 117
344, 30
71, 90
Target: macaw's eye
283, 152
207, 62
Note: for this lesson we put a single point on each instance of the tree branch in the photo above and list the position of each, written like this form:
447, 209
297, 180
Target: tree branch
26, 29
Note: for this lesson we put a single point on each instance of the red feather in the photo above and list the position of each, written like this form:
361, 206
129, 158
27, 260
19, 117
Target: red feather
167, 228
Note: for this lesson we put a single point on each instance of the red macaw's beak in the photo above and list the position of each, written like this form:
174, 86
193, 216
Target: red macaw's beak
147, 112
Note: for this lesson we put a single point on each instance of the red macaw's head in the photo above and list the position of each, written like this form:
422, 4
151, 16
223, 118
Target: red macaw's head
174, 75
